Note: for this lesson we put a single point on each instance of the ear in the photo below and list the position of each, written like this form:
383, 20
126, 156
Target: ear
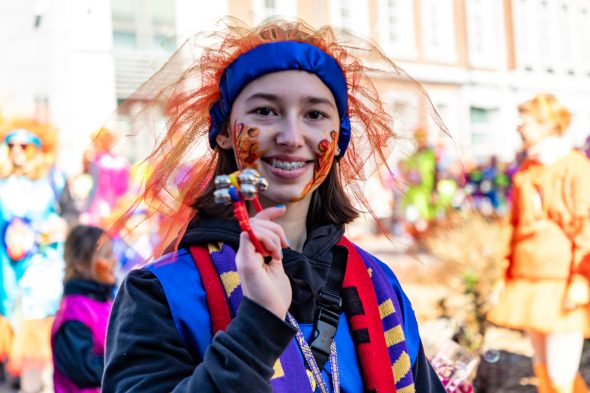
223, 141
336, 136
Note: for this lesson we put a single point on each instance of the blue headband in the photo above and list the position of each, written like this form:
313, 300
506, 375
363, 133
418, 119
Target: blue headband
274, 57
23, 136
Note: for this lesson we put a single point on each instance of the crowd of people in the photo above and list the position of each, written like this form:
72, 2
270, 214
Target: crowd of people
259, 286
38, 207
430, 187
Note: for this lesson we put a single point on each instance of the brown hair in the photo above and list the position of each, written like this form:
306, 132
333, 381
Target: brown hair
330, 203
545, 108
80, 251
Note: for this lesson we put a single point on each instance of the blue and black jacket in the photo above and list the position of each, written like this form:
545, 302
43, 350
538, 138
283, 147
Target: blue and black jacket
153, 347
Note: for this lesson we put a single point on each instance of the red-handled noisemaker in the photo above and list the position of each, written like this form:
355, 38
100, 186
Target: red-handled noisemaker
237, 188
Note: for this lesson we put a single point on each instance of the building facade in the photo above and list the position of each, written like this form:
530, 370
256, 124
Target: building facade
72, 61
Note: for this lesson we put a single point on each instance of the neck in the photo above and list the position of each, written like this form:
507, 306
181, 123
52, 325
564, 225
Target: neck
549, 150
294, 223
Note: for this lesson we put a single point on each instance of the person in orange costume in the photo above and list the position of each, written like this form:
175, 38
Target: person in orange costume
545, 290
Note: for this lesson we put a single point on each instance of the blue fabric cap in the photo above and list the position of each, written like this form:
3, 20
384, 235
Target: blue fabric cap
23, 136
274, 57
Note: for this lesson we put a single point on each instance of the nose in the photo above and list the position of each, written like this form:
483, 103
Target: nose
290, 133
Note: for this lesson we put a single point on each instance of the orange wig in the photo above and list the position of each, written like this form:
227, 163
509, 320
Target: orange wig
186, 87
38, 164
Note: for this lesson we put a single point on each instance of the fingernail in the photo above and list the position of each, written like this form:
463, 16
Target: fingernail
280, 206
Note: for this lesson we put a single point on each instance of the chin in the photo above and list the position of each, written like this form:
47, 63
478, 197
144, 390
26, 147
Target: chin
283, 196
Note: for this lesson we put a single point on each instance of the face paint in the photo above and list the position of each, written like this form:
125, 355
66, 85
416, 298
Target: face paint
247, 148
323, 164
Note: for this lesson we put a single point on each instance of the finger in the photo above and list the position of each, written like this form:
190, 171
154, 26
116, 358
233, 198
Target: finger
272, 227
271, 213
271, 243
246, 255
276, 266
245, 242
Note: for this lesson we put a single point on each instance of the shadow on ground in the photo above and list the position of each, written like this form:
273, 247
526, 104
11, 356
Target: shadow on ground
512, 373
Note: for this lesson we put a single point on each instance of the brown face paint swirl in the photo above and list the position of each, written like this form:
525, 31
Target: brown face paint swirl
247, 147
323, 164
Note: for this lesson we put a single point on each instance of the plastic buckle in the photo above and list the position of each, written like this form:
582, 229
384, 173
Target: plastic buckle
330, 301
323, 335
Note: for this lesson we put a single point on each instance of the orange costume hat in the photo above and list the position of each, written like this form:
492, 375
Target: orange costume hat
42, 135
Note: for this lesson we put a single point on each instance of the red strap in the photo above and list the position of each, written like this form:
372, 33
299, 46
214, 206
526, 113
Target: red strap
373, 356
216, 299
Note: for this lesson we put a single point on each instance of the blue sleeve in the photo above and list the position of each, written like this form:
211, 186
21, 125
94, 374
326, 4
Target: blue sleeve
187, 300
145, 352
74, 356
411, 332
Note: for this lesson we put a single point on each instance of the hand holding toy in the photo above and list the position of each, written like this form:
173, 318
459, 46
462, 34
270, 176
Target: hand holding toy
237, 188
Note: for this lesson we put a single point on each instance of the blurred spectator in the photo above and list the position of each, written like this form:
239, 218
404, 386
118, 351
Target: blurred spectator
546, 287
135, 236
381, 202
419, 171
79, 329
109, 174
34, 205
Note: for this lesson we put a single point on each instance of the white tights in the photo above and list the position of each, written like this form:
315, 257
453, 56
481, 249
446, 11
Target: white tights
561, 352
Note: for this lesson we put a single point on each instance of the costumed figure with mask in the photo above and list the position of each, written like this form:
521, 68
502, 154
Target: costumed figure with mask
34, 206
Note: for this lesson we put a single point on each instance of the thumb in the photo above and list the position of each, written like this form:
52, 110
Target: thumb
270, 213
245, 243
246, 255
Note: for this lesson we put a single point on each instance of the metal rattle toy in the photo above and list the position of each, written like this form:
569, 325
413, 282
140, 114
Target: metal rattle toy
237, 188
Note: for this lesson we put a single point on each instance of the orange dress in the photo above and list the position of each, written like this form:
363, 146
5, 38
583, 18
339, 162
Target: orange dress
550, 246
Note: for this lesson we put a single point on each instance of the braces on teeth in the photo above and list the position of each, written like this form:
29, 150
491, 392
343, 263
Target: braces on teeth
287, 165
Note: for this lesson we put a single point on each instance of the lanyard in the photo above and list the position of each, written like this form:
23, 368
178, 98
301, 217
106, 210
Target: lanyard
312, 364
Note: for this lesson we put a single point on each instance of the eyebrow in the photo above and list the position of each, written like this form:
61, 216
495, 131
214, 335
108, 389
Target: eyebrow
275, 98
319, 100
264, 96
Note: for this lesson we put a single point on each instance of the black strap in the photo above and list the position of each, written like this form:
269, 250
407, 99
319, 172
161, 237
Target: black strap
329, 308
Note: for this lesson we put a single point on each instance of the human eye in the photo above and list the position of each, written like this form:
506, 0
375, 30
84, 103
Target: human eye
317, 115
264, 111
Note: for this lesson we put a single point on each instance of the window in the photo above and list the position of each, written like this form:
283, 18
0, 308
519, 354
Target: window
525, 34
350, 15
397, 28
264, 9
546, 37
143, 37
583, 27
124, 39
345, 13
483, 33
438, 32
143, 25
567, 38
483, 129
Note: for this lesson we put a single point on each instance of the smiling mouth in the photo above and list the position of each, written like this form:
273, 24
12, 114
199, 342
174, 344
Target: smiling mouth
287, 165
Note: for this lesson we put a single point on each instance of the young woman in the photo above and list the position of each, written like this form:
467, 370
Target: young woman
545, 290
318, 313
